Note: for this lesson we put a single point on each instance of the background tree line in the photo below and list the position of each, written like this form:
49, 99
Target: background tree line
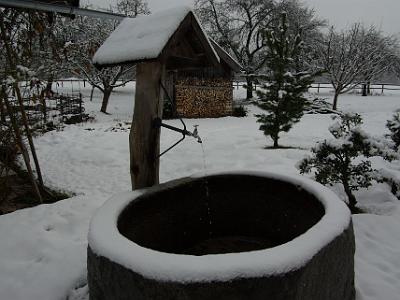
350, 57
347, 58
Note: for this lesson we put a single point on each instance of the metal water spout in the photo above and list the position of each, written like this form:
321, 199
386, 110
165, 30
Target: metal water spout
195, 134
158, 123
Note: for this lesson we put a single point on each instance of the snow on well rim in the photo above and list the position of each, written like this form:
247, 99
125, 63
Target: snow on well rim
105, 240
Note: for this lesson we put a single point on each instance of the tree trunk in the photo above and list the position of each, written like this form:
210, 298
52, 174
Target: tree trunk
2, 110
91, 93
144, 138
249, 84
364, 90
352, 199
369, 88
335, 100
48, 89
42, 99
106, 98
276, 144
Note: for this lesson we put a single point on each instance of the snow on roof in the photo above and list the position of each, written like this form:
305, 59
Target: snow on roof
143, 37
224, 55
106, 240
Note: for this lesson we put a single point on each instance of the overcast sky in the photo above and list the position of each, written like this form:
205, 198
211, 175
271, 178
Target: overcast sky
383, 13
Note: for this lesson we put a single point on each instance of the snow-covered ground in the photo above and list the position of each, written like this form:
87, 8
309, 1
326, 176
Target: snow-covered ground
43, 249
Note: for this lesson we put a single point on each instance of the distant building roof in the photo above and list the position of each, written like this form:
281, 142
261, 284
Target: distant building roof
226, 57
145, 37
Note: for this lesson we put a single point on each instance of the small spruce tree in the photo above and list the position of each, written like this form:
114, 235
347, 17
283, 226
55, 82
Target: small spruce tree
344, 159
282, 94
394, 127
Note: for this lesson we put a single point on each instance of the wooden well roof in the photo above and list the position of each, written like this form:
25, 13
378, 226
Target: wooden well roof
174, 36
151, 37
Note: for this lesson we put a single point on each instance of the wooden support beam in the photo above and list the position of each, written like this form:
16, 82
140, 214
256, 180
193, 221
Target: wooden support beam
144, 138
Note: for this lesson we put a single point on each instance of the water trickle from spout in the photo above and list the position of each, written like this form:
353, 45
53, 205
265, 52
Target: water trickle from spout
204, 159
207, 190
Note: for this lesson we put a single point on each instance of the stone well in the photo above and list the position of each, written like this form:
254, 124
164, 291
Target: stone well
223, 236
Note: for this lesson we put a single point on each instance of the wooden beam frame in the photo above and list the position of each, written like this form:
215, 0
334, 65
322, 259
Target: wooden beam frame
180, 62
190, 22
144, 138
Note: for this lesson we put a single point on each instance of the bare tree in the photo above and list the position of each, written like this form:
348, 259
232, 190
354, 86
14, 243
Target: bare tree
86, 36
388, 51
20, 40
238, 25
354, 56
133, 8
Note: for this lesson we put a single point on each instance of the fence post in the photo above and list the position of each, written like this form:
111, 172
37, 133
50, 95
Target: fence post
319, 85
61, 105
80, 107
383, 88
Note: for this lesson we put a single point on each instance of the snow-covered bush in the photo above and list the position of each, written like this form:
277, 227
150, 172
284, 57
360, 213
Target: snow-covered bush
319, 106
344, 159
394, 127
239, 111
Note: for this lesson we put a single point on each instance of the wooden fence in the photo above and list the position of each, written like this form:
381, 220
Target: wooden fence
381, 87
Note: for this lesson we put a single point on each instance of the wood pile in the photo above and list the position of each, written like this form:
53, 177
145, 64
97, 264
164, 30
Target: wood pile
204, 98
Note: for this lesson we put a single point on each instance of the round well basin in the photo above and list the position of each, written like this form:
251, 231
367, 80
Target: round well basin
223, 236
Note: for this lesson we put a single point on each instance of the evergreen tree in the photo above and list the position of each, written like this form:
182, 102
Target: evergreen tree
394, 127
282, 94
344, 159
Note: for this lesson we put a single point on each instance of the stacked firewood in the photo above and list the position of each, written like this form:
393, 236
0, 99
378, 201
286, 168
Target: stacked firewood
204, 98
210, 82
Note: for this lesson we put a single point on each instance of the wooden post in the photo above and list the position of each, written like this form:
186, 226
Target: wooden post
21, 145
80, 106
91, 93
144, 138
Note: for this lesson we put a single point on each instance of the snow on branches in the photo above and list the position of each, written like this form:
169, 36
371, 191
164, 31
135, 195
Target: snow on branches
344, 159
86, 36
282, 94
355, 56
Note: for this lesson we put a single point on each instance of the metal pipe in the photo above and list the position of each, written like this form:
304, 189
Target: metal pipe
158, 123
56, 8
